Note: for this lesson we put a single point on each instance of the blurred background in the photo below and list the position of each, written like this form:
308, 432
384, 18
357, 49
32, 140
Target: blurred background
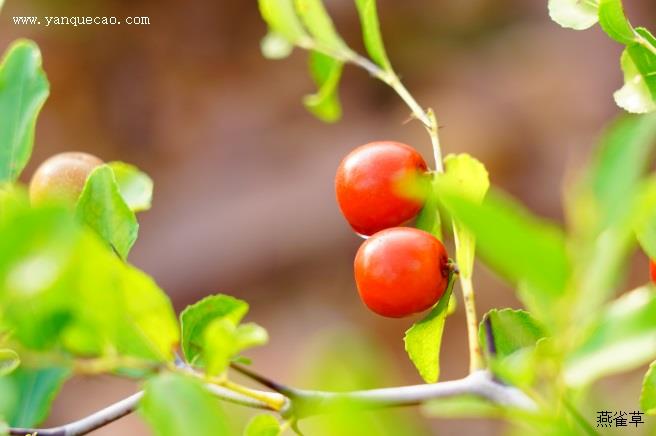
244, 201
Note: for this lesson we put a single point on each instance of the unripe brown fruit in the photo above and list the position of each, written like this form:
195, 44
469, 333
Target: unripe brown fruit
62, 177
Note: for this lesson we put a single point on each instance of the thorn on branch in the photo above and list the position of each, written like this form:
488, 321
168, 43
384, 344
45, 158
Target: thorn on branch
264, 381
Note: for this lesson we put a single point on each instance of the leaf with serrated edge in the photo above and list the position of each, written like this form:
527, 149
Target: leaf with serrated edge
573, 14
195, 319
135, 186
424, 339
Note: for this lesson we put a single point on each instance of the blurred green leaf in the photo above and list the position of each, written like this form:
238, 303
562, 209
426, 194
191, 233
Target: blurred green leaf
602, 231
373, 41
281, 18
622, 159
102, 207
274, 46
175, 405
24, 89
512, 330
645, 217
521, 247
326, 73
195, 319
345, 360
515, 335
467, 176
623, 338
75, 292
36, 388
37, 248
135, 186
318, 23
423, 340
574, 14
263, 425
223, 340
614, 22
635, 96
648, 394
9, 361
429, 218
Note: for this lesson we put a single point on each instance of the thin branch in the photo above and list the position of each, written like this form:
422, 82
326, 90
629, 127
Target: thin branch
87, 424
305, 403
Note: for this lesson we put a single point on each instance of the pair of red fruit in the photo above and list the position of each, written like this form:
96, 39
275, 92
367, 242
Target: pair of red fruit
398, 270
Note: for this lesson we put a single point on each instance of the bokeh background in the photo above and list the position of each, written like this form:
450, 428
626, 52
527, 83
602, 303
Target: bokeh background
244, 200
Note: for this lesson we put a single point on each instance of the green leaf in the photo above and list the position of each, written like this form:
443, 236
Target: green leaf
603, 232
326, 73
512, 330
468, 177
24, 89
176, 405
423, 340
318, 23
36, 388
274, 46
80, 295
648, 394
574, 14
263, 425
135, 186
195, 319
623, 338
622, 159
223, 340
9, 361
614, 22
429, 217
373, 41
519, 246
282, 19
635, 96
645, 217
102, 208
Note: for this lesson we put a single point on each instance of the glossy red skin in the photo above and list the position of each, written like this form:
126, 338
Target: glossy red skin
366, 186
401, 271
652, 270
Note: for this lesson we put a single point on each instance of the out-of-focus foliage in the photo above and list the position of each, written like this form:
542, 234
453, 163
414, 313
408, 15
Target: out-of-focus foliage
102, 207
423, 341
174, 405
212, 334
33, 393
262, 425
136, 187
347, 361
638, 61
23, 90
